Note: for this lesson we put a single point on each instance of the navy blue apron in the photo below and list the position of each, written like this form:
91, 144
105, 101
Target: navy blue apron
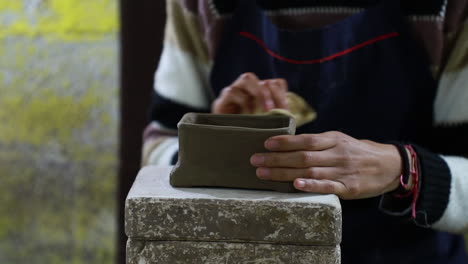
366, 78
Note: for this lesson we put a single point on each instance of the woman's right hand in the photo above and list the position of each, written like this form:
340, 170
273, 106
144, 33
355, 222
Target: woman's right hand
248, 93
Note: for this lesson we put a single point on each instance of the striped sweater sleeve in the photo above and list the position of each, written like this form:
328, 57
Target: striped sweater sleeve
180, 84
451, 116
443, 199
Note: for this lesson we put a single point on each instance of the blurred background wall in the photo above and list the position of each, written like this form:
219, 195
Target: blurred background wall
58, 130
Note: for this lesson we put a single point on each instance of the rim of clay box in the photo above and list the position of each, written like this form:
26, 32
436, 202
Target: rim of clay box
183, 122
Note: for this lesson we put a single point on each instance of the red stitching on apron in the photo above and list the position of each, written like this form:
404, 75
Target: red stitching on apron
339, 54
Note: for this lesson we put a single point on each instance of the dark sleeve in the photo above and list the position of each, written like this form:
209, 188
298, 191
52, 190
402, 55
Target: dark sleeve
167, 112
434, 191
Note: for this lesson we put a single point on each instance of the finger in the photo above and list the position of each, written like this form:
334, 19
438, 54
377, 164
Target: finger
249, 83
278, 88
239, 98
296, 159
288, 174
246, 77
266, 100
320, 186
231, 102
282, 84
300, 142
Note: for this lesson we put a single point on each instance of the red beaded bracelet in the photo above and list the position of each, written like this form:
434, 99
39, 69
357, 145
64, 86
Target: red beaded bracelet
414, 175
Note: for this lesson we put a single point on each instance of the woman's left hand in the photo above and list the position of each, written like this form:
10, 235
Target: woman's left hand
331, 162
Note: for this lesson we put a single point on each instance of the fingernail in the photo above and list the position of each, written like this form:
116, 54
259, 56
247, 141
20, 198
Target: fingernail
257, 160
270, 104
301, 183
263, 173
271, 144
263, 83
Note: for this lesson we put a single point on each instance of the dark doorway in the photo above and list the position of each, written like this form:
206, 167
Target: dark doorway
142, 26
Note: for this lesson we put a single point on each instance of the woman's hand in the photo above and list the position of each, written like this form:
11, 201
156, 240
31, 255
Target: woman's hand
331, 162
248, 92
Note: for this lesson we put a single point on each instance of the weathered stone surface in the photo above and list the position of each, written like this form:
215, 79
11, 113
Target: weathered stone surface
174, 252
157, 211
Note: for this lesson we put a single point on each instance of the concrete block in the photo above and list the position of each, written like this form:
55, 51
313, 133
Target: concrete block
179, 252
213, 225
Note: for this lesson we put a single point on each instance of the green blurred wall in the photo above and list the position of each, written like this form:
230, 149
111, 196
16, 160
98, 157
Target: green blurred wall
58, 130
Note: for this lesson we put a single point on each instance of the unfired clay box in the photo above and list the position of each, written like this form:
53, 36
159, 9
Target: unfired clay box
215, 150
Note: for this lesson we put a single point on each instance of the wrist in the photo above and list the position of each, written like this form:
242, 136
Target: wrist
398, 168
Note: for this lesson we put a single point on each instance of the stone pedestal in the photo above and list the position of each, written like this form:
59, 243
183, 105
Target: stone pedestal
207, 225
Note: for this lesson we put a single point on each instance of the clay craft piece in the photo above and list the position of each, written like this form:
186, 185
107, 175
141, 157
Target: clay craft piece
215, 150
